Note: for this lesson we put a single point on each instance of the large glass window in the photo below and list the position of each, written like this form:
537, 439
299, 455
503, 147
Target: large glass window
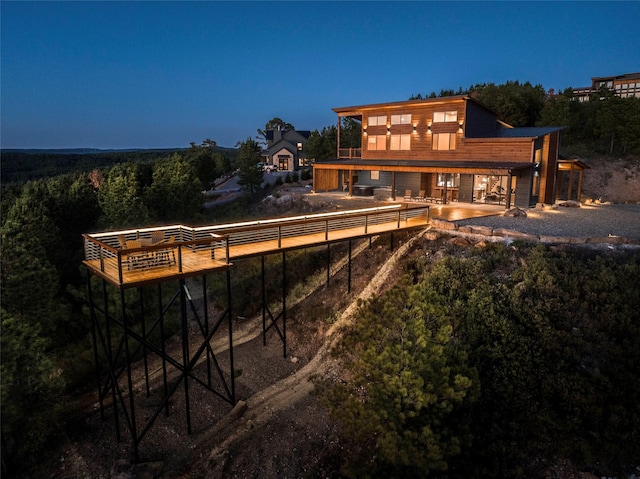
377, 142
452, 179
444, 116
444, 141
400, 142
377, 120
401, 119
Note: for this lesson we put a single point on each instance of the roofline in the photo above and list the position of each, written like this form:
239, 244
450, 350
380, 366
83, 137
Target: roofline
349, 111
398, 104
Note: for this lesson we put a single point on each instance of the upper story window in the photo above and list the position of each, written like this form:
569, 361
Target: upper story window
444, 141
444, 116
400, 142
377, 142
401, 119
377, 120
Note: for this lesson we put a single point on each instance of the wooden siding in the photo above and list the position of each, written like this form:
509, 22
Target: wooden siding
522, 189
325, 180
548, 168
472, 119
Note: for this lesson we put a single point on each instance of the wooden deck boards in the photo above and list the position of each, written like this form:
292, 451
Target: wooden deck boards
196, 263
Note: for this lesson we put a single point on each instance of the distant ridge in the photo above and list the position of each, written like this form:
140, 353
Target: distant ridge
82, 151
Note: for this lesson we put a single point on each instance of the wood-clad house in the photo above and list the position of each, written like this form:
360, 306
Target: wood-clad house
447, 149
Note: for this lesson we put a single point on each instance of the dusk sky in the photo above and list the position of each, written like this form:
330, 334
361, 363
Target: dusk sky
164, 74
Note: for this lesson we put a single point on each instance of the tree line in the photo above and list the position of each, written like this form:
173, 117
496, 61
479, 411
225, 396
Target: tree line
606, 124
46, 349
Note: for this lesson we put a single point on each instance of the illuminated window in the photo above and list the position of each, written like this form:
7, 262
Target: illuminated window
401, 119
444, 116
400, 142
377, 121
375, 175
377, 142
444, 141
452, 179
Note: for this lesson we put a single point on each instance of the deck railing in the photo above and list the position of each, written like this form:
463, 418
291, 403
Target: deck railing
350, 153
218, 239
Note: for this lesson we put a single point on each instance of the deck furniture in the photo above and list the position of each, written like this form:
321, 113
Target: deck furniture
136, 259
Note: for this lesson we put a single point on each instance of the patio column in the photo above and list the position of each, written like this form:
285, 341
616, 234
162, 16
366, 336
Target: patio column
393, 186
570, 184
509, 183
350, 182
579, 192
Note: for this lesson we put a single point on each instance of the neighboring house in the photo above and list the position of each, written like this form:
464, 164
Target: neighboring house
446, 149
285, 149
625, 86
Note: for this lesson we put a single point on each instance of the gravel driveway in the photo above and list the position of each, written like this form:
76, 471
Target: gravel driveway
586, 221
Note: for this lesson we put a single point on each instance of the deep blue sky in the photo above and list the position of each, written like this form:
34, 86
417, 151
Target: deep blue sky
163, 74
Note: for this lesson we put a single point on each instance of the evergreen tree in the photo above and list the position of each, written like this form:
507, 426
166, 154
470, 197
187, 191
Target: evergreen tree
250, 174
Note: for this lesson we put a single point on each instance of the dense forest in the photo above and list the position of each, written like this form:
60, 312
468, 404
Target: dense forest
495, 361
48, 201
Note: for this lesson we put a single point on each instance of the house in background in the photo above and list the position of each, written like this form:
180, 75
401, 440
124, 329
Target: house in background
285, 149
625, 86
444, 149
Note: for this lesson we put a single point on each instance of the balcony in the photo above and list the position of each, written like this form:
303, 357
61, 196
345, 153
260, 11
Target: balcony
350, 153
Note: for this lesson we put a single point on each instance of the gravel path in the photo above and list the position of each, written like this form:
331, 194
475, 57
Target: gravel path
586, 221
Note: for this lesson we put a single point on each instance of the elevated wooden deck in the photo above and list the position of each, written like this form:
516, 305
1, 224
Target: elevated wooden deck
197, 251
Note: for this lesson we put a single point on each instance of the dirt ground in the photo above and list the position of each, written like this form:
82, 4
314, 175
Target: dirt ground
283, 432
278, 429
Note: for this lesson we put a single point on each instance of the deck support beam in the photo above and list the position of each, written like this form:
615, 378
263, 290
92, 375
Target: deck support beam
266, 312
192, 368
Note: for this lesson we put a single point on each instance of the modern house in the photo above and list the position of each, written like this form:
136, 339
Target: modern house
445, 149
625, 86
285, 149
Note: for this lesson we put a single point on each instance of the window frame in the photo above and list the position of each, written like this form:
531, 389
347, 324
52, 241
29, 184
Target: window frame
435, 141
401, 119
375, 120
445, 116
375, 140
403, 142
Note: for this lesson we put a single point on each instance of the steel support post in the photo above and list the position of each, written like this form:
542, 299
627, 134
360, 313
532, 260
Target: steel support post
349, 270
284, 305
185, 352
144, 346
132, 412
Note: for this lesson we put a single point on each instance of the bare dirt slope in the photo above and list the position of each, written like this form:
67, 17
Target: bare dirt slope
612, 179
284, 431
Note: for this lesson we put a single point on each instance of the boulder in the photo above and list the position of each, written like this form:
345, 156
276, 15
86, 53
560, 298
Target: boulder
570, 204
514, 235
460, 241
443, 224
515, 212
481, 230
608, 239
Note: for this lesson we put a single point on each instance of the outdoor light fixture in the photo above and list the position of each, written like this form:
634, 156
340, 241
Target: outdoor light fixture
460, 127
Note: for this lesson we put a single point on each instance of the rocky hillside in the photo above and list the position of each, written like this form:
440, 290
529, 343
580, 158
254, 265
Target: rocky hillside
616, 180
